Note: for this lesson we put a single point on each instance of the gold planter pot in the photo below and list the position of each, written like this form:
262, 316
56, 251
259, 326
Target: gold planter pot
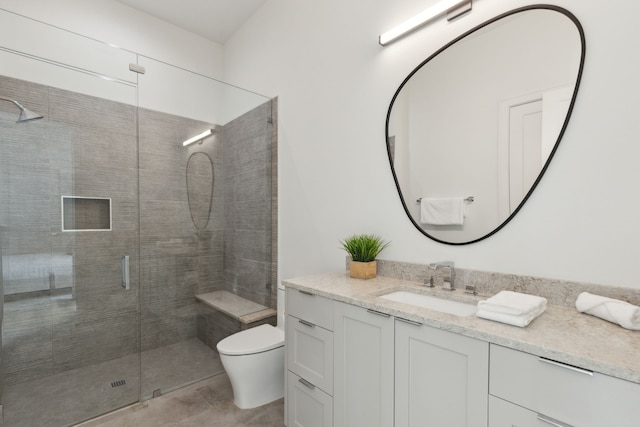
363, 270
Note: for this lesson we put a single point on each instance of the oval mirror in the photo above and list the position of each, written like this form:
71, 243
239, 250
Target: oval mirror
200, 188
472, 129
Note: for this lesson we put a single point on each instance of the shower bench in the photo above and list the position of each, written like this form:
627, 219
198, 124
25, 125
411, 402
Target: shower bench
222, 313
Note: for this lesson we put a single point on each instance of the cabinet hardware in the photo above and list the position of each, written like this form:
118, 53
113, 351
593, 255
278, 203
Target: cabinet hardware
305, 323
551, 421
411, 322
564, 365
379, 313
305, 292
308, 384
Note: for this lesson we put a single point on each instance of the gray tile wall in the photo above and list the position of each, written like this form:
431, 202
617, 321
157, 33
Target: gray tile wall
90, 147
178, 260
84, 147
248, 235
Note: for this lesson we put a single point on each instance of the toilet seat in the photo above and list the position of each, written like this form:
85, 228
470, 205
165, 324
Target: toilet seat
250, 341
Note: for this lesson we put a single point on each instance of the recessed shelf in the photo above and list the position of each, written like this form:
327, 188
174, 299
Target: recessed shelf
86, 213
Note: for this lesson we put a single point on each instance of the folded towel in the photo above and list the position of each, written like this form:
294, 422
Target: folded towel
615, 311
513, 303
445, 211
521, 320
513, 308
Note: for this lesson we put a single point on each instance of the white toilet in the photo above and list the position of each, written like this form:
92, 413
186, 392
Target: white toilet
254, 362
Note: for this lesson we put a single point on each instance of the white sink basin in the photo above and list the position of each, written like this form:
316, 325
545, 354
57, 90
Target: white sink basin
432, 303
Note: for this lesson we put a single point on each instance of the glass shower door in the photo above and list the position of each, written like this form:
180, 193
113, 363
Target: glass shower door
69, 237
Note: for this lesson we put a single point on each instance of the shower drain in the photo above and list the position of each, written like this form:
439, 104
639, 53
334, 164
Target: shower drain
118, 383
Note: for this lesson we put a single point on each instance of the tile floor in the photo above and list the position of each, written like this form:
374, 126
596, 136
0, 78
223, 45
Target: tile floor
205, 403
79, 394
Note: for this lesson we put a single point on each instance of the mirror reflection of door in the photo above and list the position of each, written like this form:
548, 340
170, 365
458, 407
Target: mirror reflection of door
532, 125
525, 154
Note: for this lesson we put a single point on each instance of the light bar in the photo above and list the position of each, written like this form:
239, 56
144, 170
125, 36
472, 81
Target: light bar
422, 18
197, 138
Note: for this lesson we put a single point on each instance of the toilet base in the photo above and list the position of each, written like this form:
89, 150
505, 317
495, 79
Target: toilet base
256, 379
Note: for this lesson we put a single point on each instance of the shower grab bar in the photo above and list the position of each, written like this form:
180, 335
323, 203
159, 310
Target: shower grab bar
469, 199
124, 263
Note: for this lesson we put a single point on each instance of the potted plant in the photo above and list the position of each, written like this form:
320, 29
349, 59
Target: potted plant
363, 250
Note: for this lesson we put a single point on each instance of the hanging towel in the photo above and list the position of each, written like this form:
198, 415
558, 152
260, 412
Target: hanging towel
442, 211
513, 308
615, 311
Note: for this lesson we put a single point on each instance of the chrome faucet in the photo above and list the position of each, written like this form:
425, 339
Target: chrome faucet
449, 274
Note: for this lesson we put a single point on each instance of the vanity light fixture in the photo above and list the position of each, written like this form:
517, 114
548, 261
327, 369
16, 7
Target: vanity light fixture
453, 9
199, 137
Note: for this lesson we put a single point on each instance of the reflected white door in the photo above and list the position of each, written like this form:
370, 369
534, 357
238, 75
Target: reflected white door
525, 149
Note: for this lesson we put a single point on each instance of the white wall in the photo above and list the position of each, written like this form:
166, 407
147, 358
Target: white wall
115, 23
334, 84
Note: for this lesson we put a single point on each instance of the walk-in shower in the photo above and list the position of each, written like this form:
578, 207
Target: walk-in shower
100, 180
25, 114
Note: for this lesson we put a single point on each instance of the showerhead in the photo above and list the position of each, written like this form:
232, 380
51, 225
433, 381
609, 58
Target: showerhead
25, 114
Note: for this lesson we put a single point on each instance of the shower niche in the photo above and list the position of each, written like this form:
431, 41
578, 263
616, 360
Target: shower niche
86, 213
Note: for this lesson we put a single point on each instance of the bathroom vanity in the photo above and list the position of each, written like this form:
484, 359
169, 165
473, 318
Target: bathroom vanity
356, 359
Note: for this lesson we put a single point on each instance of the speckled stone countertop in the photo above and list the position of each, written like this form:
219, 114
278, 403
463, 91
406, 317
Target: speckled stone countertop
560, 333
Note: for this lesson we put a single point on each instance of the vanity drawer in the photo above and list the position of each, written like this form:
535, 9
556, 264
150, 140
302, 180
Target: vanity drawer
310, 308
310, 352
572, 395
307, 406
505, 414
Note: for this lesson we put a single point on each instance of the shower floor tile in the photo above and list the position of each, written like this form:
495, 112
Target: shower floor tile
205, 403
62, 399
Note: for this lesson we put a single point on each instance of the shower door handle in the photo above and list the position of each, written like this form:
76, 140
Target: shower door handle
124, 264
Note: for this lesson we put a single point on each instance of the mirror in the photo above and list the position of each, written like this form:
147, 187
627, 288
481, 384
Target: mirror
200, 188
472, 129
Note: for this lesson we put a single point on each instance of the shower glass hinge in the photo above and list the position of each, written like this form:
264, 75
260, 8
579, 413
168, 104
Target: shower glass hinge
137, 68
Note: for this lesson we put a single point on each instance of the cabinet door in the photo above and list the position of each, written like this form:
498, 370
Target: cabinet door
442, 378
307, 405
363, 366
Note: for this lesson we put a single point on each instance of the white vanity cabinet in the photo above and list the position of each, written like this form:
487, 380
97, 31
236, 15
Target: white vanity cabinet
363, 363
441, 378
530, 391
309, 354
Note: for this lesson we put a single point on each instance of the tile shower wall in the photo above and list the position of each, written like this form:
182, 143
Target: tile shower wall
63, 305
248, 165
178, 261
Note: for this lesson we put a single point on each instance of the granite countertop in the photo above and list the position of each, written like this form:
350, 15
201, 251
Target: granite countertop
560, 333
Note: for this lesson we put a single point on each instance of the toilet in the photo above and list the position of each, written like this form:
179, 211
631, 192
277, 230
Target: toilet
254, 362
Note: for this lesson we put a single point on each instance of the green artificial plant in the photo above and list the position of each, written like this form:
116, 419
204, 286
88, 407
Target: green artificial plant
363, 247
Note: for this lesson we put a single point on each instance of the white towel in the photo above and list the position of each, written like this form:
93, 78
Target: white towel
513, 308
442, 211
615, 311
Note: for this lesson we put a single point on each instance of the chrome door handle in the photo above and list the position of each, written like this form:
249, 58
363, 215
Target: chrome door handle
306, 383
551, 421
124, 266
563, 365
305, 323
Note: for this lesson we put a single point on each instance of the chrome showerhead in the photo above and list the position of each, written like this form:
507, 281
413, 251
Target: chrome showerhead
25, 114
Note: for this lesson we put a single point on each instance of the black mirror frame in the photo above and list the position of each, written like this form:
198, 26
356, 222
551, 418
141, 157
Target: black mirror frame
555, 146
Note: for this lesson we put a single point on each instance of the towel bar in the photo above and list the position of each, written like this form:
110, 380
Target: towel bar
469, 199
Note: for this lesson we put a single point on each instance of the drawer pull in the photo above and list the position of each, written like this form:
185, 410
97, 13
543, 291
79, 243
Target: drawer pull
551, 421
411, 322
306, 383
378, 313
305, 323
305, 292
563, 365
